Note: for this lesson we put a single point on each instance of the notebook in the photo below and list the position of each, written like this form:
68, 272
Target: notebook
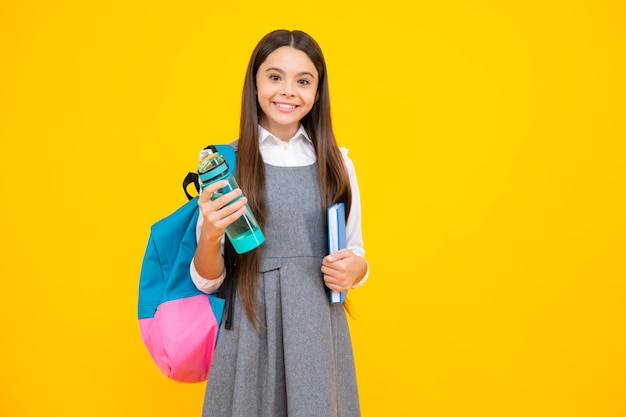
336, 215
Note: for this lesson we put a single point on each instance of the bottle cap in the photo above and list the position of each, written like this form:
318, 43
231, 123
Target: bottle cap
211, 166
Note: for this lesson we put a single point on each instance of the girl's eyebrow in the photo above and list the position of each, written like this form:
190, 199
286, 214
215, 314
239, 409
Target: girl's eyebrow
300, 74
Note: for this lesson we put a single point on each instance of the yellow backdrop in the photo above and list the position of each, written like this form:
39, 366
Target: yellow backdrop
489, 139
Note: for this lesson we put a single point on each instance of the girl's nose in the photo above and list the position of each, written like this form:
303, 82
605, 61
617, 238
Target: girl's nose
287, 91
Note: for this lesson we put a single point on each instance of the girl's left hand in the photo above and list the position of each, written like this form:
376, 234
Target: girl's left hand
343, 269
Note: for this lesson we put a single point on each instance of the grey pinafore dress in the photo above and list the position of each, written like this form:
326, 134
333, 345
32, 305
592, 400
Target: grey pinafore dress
300, 364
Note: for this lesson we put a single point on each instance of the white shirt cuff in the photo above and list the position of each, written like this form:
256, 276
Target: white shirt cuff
209, 286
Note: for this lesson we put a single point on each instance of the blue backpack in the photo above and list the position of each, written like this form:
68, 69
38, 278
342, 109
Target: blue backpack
180, 324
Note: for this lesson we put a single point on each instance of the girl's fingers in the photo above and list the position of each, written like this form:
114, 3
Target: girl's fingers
213, 200
208, 191
219, 216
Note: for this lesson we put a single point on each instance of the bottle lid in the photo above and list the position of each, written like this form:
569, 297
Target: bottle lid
211, 166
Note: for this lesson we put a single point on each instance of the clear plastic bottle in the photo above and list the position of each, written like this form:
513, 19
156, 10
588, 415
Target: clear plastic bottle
245, 233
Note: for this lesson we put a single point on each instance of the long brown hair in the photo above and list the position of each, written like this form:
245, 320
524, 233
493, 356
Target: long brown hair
333, 176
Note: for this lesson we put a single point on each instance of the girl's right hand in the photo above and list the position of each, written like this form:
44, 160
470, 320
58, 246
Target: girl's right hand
217, 214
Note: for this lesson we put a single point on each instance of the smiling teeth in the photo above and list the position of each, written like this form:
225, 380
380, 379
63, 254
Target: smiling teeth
285, 106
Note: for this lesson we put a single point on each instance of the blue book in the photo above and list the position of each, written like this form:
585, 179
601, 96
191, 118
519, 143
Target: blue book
336, 215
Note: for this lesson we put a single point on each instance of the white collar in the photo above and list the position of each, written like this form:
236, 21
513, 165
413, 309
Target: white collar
265, 134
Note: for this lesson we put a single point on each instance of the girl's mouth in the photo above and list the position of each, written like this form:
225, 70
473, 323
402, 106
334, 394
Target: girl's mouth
283, 106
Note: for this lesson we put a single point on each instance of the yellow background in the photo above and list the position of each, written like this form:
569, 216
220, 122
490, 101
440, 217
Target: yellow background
489, 139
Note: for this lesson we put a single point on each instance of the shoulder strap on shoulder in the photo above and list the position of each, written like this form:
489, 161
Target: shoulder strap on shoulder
227, 152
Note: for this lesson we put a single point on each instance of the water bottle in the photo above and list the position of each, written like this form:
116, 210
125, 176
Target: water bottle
245, 233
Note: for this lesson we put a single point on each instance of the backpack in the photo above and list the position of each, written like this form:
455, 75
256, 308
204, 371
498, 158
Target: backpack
179, 324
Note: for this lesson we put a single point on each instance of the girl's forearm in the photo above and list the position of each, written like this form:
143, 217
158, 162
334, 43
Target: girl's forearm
208, 259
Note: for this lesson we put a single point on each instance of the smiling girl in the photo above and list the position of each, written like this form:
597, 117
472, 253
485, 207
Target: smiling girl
289, 351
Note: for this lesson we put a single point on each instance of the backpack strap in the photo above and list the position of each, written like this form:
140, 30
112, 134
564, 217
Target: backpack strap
227, 151
228, 288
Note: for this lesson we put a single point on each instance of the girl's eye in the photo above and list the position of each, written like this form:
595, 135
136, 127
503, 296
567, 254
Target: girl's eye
274, 77
304, 82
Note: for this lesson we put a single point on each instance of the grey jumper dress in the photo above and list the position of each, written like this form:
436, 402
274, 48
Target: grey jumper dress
300, 363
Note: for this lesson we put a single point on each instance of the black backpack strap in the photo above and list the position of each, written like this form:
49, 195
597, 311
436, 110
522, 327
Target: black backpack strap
228, 288
191, 178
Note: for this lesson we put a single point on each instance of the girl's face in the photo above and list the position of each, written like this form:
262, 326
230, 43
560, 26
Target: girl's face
286, 90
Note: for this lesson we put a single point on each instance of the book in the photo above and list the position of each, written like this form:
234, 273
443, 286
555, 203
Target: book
336, 215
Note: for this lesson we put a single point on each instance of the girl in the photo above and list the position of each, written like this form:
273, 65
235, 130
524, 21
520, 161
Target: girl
290, 354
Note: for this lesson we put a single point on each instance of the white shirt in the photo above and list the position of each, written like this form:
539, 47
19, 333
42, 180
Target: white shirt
298, 151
